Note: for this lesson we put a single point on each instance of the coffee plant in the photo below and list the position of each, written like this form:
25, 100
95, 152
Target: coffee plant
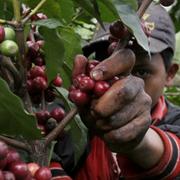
38, 42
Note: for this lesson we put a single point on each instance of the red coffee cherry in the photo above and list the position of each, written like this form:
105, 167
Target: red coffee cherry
58, 81
78, 97
2, 34
3, 150
58, 113
86, 84
77, 80
39, 83
37, 71
43, 173
101, 87
91, 65
19, 169
42, 116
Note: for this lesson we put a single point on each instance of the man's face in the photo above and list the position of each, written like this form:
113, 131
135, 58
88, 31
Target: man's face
153, 72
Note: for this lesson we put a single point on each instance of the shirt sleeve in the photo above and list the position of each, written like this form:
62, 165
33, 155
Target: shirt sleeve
58, 172
167, 168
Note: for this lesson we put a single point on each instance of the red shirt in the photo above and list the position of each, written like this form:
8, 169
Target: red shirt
101, 164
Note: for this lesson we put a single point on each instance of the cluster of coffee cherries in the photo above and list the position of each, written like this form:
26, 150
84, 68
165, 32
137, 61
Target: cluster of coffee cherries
8, 45
84, 88
37, 83
12, 167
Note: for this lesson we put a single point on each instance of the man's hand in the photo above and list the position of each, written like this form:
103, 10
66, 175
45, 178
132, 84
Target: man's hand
121, 116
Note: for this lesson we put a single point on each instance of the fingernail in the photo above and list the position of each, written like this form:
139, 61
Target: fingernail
97, 75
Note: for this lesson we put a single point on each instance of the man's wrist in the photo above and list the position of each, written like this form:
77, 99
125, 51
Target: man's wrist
149, 151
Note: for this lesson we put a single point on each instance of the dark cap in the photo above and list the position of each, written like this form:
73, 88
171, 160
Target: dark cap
162, 30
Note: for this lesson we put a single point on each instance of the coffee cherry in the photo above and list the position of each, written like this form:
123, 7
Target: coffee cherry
39, 61
43, 173
33, 49
101, 87
118, 30
33, 167
39, 83
58, 81
166, 2
37, 71
78, 97
42, 116
2, 34
20, 170
12, 156
1, 175
91, 65
57, 113
3, 150
86, 84
9, 48
9, 33
77, 80
8, 175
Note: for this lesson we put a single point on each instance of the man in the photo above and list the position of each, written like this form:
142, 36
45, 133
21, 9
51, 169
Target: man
134, 131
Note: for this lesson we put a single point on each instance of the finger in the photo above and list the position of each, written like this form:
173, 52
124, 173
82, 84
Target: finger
120, 62
79, 65
132, 131
120, 93
126, 114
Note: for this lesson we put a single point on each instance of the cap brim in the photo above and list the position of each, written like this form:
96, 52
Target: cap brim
156, 45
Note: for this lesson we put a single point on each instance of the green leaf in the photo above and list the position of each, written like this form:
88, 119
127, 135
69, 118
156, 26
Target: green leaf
129, 17
60, 9
49, 23
54, 51
72, 44
88, 6
14, 119
76, 127
6, 10
107, 11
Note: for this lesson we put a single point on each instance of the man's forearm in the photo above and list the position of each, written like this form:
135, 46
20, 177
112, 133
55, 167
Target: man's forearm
149, 152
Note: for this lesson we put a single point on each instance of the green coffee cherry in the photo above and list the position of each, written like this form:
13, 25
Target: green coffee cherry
9, 48
9, 33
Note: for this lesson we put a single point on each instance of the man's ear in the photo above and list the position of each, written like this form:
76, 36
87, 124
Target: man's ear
171, 72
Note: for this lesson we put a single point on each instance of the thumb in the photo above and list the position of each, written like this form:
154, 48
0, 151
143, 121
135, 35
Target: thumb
79, 65
120, 62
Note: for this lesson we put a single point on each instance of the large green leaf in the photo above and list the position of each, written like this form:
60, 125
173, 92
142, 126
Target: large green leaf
76, 127
54, 51
14, 120
132, 21
49, 23
61, 9
90, 7
107, 11
72, 44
